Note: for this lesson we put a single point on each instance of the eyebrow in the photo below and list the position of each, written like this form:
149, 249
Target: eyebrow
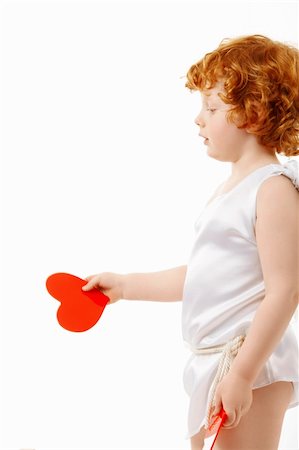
210, 97
211, 94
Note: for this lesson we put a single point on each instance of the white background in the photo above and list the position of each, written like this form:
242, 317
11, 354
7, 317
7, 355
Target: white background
103, 170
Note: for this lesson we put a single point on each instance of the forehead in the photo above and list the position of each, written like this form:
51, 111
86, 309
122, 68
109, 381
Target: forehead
213, 93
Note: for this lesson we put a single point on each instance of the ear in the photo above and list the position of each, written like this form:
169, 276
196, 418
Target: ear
258, 116
248, 130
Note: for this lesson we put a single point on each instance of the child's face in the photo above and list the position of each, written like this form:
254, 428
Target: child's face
224, 140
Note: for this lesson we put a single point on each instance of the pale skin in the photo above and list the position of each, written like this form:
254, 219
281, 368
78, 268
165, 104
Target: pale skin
255, 417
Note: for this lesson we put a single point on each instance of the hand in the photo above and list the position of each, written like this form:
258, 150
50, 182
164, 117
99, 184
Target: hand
111, 284
234, 394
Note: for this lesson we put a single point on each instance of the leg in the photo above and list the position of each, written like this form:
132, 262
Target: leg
197, 441
260, 428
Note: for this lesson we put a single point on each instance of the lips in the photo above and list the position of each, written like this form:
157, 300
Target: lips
206, 140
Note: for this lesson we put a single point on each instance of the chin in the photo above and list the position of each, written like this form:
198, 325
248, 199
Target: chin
212, 153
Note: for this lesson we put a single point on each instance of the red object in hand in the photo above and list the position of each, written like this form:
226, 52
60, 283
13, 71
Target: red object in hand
220, 417
79, 310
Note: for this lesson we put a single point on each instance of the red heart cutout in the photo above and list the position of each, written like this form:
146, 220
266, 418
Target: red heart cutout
218, 422
79, 310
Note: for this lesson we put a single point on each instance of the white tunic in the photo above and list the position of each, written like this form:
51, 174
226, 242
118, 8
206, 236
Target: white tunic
224, 287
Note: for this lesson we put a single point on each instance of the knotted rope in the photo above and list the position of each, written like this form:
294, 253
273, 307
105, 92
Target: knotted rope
229, 352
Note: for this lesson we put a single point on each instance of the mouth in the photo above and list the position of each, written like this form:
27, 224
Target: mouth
206, 140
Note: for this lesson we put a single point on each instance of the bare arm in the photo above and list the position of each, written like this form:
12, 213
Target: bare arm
267, 329
163, 286
277, 240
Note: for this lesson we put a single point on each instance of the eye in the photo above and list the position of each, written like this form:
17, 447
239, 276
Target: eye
211, 109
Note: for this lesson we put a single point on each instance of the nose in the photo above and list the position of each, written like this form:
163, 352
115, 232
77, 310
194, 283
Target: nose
199, 120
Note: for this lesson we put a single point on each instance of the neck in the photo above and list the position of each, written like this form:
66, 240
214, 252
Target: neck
252, 158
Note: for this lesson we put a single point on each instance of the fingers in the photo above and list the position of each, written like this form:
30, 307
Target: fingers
218, 407
232, 420
92, 281
231, 417
89, 277
87, 287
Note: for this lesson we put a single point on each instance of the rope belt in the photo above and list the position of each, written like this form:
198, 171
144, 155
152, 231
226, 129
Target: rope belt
229, 352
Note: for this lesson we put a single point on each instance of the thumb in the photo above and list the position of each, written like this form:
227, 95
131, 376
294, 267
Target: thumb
218, 406
89, 285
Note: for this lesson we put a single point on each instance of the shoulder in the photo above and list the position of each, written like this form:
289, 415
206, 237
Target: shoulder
275, 191
277, 232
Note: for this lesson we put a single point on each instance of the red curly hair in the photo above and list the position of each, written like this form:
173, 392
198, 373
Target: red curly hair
260, 82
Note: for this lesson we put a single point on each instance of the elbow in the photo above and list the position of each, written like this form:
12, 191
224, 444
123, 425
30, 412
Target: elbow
290, 296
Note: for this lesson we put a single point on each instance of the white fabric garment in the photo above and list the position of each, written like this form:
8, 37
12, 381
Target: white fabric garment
224, 287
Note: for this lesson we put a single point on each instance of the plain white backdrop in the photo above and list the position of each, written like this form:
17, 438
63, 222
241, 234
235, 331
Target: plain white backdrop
103, 170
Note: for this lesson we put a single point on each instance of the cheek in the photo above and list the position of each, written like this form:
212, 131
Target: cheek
221, 128
239, 134
228, 131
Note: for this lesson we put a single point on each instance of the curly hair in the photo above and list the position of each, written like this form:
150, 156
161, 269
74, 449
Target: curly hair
260, 79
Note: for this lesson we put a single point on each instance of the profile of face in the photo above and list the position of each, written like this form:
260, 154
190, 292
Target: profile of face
224, 140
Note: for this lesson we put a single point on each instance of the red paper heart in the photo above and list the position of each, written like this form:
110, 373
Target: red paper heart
79, 310
218, 422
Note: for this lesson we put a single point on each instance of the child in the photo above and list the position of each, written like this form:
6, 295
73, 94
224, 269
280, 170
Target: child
239, 289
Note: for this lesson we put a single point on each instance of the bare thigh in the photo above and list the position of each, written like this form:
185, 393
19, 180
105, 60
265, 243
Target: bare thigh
197, 441
260, 428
